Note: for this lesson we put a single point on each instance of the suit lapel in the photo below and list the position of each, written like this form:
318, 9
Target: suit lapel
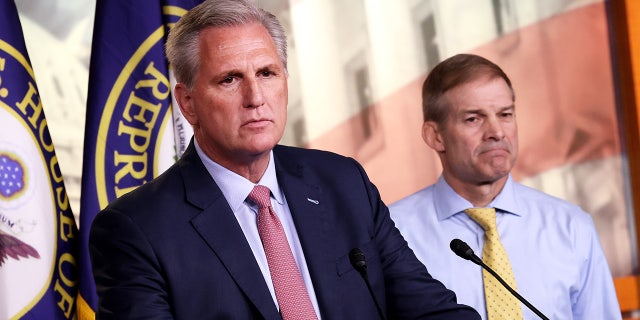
218, 227
308, 209
309, 205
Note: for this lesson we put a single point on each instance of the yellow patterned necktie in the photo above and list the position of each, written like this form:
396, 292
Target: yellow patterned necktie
501, 304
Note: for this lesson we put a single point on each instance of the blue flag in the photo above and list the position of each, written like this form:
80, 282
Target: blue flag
132, 132
38, 233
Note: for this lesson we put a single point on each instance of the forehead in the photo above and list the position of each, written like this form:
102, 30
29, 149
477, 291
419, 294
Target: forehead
233, 42
481, 93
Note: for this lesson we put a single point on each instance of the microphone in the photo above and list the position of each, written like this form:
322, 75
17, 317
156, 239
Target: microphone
463, 250
359, 262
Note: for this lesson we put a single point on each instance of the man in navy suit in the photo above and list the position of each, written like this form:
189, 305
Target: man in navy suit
186, 245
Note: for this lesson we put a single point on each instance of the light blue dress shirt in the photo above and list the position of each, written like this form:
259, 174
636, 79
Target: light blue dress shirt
555, 253
236, 189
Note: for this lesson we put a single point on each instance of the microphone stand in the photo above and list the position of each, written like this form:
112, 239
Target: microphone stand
359, 262
513, 292
463, 250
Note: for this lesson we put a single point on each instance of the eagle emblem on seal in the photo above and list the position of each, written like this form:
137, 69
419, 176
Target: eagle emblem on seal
12, 247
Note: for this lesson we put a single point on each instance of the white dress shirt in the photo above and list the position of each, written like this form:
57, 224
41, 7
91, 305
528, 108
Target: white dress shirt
236, 189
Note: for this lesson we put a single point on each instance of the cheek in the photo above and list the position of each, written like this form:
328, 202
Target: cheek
465, 143
216, 114
279, 101
467, 151
280, 96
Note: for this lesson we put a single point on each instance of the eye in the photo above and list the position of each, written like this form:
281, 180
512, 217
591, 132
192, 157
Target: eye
471, 119
228, 80
265, 73
506, 115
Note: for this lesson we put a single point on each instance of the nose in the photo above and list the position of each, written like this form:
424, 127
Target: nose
494, 129
253, 94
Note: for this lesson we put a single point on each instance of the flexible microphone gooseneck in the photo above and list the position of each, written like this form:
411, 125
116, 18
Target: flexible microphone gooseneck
359, 262
463, 250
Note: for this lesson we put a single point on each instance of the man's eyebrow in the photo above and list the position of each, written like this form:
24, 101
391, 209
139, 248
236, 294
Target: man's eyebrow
270, 67
233, 72
472, 111
480, 111
508, 108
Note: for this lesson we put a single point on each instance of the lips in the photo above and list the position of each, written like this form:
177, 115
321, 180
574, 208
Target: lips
494, 148
257, 122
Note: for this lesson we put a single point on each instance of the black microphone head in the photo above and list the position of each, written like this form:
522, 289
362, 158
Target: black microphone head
357, 258
462, 249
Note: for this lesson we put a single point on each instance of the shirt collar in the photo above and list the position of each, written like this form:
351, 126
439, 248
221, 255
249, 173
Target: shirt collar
236, 188
448, 203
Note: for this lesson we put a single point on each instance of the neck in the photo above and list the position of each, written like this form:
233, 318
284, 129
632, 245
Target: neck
252, 171
250, 166
480, 194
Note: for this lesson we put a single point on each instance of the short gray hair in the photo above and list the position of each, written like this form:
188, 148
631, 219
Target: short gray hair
182, 47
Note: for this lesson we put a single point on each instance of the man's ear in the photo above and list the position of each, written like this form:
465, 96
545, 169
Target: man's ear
185, 102
432, 136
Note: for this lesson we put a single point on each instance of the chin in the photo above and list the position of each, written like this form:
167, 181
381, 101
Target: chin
499, 175
258, 148
491, 174
500, 168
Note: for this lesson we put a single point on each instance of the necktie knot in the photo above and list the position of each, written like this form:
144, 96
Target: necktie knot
485, 217
261, 196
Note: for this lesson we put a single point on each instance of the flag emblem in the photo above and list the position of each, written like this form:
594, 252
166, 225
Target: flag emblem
12, 176
38, 272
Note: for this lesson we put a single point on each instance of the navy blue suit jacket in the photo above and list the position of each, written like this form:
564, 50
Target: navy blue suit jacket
173, 249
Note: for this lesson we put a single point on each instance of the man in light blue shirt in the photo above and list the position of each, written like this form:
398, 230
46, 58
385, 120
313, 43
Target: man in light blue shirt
553, 247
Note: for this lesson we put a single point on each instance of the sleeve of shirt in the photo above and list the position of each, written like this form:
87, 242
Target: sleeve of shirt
596, 297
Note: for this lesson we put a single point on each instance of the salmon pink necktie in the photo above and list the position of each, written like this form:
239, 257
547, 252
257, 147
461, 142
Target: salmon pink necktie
291, 293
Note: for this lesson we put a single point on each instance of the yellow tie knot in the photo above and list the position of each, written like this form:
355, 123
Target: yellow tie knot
486, 217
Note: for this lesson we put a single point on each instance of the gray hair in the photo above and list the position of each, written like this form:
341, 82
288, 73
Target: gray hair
182, 47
